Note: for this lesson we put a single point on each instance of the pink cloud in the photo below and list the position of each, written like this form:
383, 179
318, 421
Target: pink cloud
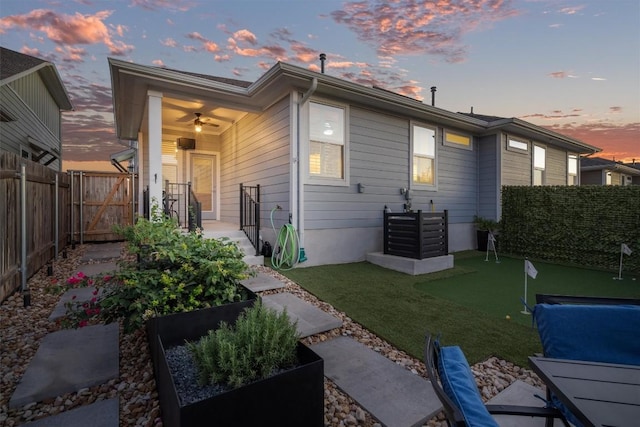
245, 36
69, 30
616, 140
169, 42
405, 27
158, 63
558, 74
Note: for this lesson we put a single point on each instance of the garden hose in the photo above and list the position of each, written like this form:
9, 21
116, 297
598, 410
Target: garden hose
286, 251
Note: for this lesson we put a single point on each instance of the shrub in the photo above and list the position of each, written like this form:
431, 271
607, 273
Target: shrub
177, 272
260, 342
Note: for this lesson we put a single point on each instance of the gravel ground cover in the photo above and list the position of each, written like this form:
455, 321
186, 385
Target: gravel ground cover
23, 328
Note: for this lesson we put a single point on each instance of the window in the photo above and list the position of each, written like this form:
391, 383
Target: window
423, 142
539, 164
326, 141
457, 140
572, 169
516, 145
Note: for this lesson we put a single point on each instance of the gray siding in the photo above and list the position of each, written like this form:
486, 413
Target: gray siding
556, 166
256, 150
488, 185
516, 166
14, 135
35, 94
591, 177
379, 159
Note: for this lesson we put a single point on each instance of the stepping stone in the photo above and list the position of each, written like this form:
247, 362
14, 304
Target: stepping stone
391, 393
523, 394
81, 294
311, 320
262, 282
102, 252
98, 269
104, 413
69, 360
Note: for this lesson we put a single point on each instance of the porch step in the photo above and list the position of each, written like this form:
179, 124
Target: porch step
240, 239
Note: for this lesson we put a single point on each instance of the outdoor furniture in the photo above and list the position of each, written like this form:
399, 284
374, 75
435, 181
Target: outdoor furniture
455, 386
573, 299
588, 332
598, 394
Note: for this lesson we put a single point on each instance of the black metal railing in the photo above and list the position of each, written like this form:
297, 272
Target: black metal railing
195, 211
250, 214
417, 235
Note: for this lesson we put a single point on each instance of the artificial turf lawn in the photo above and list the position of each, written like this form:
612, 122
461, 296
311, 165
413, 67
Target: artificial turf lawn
467, 304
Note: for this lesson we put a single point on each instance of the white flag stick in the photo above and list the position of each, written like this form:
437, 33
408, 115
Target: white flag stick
526, 274
620, 269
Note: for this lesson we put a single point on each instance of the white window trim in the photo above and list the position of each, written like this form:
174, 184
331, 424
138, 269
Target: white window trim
438, 133
455, 144
306, 138
569, 174
533, 164
517, 149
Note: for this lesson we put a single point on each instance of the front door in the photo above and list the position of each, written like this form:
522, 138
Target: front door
204, 184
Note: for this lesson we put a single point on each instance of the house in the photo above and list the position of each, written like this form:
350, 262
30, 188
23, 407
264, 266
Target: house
32, 99
635, 180
599, 171
330, 152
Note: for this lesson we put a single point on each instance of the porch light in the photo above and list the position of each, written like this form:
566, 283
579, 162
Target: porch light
198, 126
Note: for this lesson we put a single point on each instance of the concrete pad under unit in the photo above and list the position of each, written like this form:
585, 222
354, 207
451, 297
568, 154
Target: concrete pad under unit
262, 282
104, 413
391, 393
522, 394
311, 320
410, 265
68, 361
81, 294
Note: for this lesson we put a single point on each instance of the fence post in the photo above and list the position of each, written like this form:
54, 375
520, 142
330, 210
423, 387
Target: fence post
257, 221
81, 207
26, 295
241, 208
56, 215
72, 216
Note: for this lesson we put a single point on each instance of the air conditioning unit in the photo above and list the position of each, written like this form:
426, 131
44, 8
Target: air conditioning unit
186, 143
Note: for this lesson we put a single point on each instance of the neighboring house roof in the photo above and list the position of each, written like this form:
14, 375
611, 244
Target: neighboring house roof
598, 163
133, 81
15, 65
535, 132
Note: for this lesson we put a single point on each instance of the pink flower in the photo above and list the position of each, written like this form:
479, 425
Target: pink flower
74, 297
82, 323
54, 281
106, 278
81, 275
93, 300
90, 282
95, 292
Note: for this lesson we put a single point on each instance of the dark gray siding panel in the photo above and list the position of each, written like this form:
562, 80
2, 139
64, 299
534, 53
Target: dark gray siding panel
256, 150
488, 185
591, 177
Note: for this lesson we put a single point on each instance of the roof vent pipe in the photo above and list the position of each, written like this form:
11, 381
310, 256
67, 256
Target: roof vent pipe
433, 96
323, 58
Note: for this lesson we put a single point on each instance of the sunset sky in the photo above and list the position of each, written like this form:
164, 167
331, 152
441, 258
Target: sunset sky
569, 65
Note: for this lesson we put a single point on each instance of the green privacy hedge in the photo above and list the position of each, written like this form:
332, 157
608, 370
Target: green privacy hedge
569, 224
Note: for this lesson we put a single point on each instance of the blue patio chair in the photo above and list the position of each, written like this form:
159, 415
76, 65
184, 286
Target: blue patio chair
590, 332
455, 386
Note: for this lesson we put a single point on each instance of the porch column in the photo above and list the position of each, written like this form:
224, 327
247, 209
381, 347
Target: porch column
154, 148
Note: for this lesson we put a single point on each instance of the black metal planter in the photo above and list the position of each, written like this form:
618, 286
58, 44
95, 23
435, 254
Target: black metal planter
191, 325
292, 398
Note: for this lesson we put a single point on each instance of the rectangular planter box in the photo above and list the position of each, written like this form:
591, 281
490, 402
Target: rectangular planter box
191, 325
291, 398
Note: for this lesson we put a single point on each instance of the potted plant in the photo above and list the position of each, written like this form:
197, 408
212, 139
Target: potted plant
484, 226
254, 372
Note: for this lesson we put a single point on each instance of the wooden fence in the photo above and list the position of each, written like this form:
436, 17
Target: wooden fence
416, 235
100, 200
41, 226
89, 204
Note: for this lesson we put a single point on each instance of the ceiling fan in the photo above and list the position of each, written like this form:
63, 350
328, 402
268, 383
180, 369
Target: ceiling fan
197, 123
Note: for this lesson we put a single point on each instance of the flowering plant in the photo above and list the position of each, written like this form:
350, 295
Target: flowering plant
81, 313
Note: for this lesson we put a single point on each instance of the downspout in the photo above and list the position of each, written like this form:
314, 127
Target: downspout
299, 185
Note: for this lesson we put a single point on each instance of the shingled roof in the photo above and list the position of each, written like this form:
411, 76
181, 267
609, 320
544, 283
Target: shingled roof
598, 163
12, 63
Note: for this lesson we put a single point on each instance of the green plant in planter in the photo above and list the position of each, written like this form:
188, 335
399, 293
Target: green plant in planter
181, 272
260, 342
